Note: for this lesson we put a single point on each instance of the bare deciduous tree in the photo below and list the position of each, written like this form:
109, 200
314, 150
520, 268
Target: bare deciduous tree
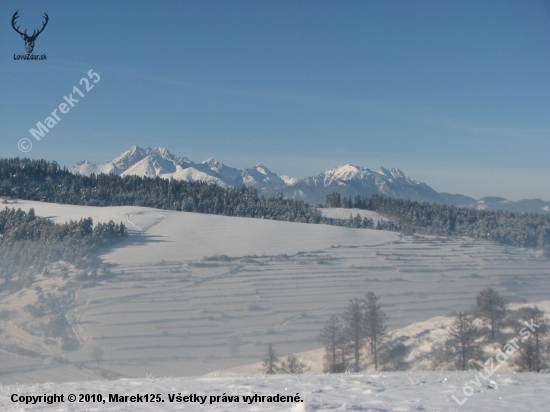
491, 308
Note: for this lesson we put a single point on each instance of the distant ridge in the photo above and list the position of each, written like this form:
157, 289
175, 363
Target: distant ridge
348, 180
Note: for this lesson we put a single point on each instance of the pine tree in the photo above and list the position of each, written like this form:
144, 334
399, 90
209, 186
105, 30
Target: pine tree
492, 309
333, 200
331, 338
532, 351
292, 365
353, 330
526, 359
270, 366
374, 327
460, 344
97, 354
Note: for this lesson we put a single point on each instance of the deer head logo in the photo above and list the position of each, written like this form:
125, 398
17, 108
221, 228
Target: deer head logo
29, 40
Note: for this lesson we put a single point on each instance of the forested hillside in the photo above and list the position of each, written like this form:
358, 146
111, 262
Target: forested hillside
29, 241
519, 229
47, 181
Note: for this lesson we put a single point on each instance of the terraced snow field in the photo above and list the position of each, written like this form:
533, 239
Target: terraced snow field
170, 312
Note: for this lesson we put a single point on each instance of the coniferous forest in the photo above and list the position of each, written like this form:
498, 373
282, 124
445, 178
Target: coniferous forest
29, 241
529, 230
46, 181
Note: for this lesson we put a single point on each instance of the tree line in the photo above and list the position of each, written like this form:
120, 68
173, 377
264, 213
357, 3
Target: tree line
530, 230
29, 241
359, 335
527, 340
18, 225
48, 182
361, 326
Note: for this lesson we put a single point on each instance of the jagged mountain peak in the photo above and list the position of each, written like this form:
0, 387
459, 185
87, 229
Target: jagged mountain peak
393, 173
129, 157
343, 172
215, 165
344, 168
398, 174
136, 148
82, 162
262, 169
346, 179
161, 151
348, 172
262, 178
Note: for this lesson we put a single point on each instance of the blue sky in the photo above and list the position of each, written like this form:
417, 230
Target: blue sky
454, 93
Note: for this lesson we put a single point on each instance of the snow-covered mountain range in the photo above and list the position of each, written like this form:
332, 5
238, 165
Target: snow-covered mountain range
160, 162
348, 180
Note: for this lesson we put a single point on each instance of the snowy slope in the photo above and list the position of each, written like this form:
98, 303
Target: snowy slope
172, 235
262, 178
170, 311
349, 180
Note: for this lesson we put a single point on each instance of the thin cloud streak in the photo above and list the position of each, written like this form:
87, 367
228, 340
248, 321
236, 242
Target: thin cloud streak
422, 115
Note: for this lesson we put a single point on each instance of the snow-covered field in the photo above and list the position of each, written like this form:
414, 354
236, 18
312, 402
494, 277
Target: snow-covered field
169, 312
180, 236
395, 391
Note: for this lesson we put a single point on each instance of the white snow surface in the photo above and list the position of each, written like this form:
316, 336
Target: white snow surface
289, 180
349, 172
394, 391
172, 235
168, 311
